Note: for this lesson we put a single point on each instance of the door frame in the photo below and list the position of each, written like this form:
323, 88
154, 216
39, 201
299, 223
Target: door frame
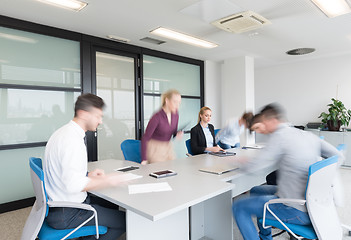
138, 88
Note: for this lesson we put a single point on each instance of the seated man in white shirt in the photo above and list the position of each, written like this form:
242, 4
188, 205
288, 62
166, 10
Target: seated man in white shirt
65, 172
229, 136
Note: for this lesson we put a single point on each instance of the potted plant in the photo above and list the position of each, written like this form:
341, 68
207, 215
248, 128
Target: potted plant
336, 116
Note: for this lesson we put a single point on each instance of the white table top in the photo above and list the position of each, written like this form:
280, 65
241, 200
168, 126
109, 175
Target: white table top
190, 186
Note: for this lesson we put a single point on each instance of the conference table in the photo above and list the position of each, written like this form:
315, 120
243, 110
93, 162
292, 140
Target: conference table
197, 207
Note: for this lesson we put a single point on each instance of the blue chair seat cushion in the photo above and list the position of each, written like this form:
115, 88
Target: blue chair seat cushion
305, 231
49, 233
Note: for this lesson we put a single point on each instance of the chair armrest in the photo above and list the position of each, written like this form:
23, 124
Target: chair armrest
281, 200
70, 205
80, 206
287, 200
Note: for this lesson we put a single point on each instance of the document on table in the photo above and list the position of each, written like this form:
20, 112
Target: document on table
149, 187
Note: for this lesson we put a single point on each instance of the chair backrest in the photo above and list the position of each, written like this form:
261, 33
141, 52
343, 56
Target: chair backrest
320, 201
131, 150
216, 131
39, 209
188, 147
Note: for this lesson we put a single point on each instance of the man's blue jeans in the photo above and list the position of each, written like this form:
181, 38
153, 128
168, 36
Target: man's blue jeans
244, 209
227, 146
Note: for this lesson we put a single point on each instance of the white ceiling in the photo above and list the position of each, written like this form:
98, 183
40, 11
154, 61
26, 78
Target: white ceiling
295, 24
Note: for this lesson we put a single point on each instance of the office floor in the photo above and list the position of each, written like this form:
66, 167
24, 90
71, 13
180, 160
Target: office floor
11, 223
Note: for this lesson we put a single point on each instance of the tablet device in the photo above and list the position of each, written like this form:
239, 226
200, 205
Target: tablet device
222, 154
127, 168
162, 174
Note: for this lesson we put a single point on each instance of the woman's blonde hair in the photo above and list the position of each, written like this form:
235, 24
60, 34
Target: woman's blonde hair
168, 95
202, 111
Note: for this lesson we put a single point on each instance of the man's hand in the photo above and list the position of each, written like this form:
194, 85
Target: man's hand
116, 179
96, 173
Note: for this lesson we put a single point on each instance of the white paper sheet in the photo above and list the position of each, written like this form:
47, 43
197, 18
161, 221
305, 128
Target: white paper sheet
149, 187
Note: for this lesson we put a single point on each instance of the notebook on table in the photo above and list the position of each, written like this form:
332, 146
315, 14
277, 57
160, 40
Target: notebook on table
218, 169
222, 154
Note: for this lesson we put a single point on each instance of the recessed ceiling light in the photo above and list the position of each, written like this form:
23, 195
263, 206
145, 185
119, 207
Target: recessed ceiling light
333, 8
300, 51
164, 32
68, 4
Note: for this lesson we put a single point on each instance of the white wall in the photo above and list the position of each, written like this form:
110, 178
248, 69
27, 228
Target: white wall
212, 91
305, 88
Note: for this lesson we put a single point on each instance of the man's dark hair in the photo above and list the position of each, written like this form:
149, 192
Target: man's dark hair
87, 101
247, 117
255, 119
273, 110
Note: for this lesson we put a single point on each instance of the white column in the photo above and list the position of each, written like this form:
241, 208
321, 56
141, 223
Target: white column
213, 90
238, 90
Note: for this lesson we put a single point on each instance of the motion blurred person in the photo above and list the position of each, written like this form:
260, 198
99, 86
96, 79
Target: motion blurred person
155, 143
229, 136
65, 172
258, 127
293, 150
202, 137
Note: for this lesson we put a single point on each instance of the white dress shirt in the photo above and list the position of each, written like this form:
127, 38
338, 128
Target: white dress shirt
230, 134
65, 164
208, 136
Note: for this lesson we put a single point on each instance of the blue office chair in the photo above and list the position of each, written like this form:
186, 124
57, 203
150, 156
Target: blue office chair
216, 131
319, 202
36, 225
131, 150
341, 147
188, 147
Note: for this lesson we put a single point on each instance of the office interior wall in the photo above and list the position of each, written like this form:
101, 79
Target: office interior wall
237, 90
305, 88
213, 80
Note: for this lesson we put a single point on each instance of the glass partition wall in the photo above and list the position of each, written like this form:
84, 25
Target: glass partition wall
161, 74
42, 72
115, 81
39, 83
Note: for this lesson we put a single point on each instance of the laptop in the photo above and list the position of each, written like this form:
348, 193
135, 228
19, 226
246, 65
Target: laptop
219, 169
222, 154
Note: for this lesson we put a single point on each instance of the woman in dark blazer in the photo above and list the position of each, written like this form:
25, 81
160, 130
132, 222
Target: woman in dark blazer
202, 137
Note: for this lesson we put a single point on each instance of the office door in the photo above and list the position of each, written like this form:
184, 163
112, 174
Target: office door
116, 84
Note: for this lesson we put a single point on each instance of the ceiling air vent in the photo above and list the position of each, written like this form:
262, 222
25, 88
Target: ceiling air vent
241, 22
152, 40
300, 51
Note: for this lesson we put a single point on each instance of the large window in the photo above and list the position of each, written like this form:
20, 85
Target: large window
44, 69
162, 74
39, 83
